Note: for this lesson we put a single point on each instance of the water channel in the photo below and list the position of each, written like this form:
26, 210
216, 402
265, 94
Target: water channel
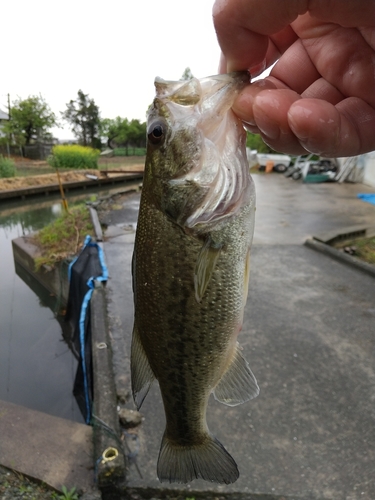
37, 368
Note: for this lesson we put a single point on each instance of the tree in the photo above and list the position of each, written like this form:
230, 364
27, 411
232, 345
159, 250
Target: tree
84, 117
137, 133
115, 131
30, 120
255, 141
121, 132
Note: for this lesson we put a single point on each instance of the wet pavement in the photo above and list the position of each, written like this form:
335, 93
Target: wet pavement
309, 336
53, 450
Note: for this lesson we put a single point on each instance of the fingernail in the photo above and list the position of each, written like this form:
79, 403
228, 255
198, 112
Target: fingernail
251, 123
311, 148
265, 105
253, 129
305, 141
294, 123
257, 69
268, 128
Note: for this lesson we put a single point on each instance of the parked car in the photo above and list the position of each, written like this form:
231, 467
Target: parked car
280, 162
304, 166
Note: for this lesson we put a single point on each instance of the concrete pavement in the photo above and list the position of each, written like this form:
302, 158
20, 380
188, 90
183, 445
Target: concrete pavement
309, 336
288, 212
54, 450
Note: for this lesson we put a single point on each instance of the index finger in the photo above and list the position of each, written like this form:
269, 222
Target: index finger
243, 30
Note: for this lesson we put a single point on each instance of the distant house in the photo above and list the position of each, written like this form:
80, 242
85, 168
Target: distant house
369, 169
3, 117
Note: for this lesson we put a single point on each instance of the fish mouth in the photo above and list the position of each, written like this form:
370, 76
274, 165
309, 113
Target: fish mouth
215, 184
216, 92
223, 170
220, 91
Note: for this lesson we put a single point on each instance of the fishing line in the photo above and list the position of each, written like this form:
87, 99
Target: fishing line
10, 335
130, 455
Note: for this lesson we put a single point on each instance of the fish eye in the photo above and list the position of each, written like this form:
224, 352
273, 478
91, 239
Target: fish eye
156, 133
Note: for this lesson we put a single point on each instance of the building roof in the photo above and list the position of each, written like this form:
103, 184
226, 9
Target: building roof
3, 115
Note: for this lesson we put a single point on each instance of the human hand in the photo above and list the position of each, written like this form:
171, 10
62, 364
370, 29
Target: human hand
320, 95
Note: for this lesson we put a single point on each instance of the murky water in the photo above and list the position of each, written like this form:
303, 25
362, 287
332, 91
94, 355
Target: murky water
37, 368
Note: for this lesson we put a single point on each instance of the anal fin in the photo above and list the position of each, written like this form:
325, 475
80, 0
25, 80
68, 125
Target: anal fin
141, 373
238, 383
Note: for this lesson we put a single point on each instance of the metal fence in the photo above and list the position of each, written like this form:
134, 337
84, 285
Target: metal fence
38, 151
8, 150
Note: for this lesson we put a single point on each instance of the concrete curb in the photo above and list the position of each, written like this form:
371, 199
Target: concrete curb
68, 186
108, 450
341, 256
184, 494
109, 455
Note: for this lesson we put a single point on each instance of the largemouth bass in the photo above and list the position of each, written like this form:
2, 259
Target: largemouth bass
191, 270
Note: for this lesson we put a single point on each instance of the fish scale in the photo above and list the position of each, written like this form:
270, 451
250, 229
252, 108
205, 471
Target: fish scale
190, 271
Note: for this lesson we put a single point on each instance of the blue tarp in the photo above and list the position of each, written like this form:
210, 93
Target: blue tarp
369, 197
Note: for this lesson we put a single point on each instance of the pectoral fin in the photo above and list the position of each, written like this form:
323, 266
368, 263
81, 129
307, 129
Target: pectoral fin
141, 372
205, 266
238, 383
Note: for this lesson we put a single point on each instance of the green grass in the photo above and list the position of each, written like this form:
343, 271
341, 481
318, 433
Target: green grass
67, 494
364, 248
26, 170
129, 152
123, 160
63, 237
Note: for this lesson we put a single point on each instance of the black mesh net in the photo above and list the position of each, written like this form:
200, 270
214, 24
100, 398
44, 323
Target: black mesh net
86, 267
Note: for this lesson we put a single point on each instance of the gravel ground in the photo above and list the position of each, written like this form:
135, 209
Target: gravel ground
14, 486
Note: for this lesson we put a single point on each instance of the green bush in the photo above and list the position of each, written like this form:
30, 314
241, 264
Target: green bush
74, 156
7, 168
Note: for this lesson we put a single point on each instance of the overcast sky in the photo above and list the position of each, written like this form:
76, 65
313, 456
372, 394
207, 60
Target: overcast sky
111, 50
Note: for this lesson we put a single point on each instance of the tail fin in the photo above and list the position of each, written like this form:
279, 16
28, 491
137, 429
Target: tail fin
209, 461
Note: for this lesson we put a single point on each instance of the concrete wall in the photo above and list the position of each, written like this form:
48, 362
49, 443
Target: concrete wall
55, 280
369, 172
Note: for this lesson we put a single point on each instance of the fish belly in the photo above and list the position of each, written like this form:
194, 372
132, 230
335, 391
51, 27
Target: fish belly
186, 344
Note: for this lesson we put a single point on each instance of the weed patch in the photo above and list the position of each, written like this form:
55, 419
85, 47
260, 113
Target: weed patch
64, 237
363, 248
7, 167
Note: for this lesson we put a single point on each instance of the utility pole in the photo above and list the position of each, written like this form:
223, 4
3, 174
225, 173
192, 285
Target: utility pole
10, 135
9, 106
